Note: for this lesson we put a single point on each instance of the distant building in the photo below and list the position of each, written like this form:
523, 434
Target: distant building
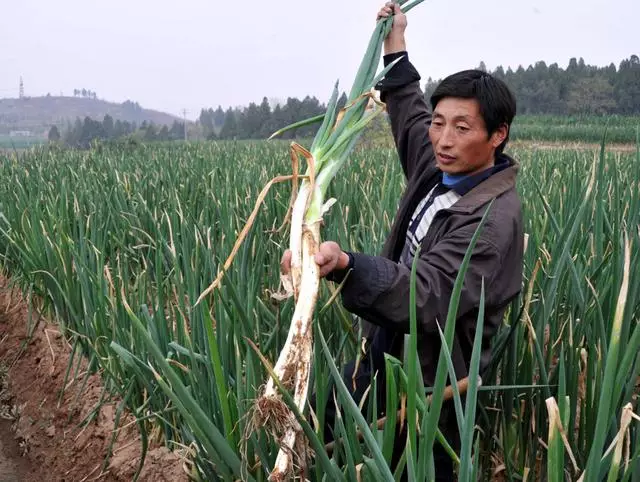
20, 134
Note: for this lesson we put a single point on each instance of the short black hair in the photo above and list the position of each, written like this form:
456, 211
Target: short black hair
497, 102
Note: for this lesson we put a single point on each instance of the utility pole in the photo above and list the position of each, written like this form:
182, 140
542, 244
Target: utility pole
184, 114
21, 92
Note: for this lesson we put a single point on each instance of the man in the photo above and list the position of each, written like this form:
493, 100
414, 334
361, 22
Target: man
455, 166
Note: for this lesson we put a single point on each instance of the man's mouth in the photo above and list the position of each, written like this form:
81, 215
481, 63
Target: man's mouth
445, 158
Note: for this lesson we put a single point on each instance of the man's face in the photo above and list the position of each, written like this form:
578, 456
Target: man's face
460, 139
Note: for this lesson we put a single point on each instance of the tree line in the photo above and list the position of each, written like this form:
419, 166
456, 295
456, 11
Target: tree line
539, 89
578, 89
83, 132
260, 121
85, 93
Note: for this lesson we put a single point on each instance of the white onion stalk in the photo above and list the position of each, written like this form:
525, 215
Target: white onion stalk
332, 145
293, 366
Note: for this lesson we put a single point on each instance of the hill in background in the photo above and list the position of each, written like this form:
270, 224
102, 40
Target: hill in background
34, 116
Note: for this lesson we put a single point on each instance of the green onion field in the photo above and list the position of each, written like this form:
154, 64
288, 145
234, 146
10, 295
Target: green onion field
116, 244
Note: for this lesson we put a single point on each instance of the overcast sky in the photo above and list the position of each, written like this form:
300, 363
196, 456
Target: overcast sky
175, 54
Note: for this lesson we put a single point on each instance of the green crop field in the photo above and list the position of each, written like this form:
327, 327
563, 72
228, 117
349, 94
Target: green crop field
116, 244
591, 129
552, 129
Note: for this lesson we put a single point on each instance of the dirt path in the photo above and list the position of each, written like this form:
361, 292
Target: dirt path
13, 467
46, 442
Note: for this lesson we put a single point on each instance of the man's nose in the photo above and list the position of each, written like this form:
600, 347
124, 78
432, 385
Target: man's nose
446, 138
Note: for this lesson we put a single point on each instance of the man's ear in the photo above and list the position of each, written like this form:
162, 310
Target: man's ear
499, 135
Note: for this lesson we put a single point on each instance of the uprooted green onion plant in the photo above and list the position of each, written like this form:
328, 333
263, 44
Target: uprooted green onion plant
334, 141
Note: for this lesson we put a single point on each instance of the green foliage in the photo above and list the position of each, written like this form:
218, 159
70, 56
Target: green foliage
83, 133
576, 128
540, 128
118, 242
578, 89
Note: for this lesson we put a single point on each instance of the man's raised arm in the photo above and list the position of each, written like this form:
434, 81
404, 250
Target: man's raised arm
400, 90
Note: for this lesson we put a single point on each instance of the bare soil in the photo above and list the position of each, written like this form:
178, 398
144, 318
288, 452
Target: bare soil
13, 467
41, 439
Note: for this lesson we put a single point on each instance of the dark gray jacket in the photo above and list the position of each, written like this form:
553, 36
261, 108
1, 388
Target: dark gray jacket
377, 289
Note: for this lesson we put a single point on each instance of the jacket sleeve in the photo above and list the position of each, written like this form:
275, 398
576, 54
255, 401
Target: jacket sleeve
408, 112
377, 288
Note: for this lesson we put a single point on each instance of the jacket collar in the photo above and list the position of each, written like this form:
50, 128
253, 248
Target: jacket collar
466, 183
489, 189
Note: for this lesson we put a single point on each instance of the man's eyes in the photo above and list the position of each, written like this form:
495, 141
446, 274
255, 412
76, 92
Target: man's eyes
459, 128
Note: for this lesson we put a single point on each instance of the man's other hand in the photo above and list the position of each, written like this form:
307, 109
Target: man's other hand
328, 258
